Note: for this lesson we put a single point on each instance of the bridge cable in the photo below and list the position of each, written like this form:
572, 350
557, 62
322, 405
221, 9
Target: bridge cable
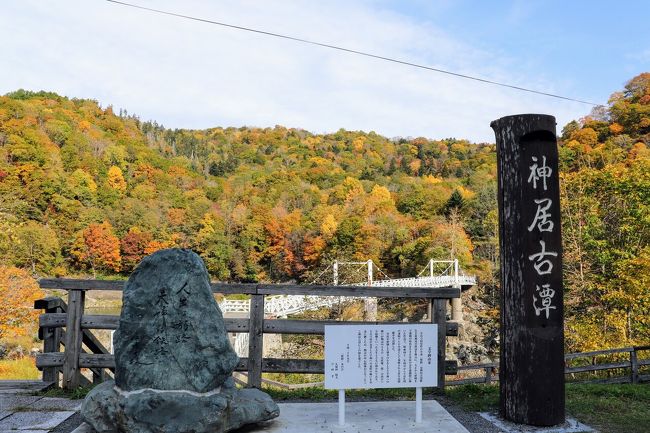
360, 268
321, 274
382, 272
357, 52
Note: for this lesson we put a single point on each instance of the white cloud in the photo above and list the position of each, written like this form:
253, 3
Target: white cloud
642, 56
194, 75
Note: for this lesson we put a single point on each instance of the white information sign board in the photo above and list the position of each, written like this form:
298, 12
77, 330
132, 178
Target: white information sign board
381, 356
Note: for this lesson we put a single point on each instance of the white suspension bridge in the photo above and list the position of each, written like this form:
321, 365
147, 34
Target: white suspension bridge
285, 305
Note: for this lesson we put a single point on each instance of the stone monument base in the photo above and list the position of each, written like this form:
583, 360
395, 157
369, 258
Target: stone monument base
107, 409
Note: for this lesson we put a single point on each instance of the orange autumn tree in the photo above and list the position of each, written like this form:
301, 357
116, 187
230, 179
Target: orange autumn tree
156, 245
281, 229
133, 246
97, 247
18, 291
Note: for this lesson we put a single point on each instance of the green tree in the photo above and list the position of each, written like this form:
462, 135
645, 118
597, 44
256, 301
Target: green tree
214, 248
36, 246
455, 203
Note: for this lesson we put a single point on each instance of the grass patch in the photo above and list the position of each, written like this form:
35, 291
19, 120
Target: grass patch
611, 408
321, 394
22, 409
19, 369
607, 408
474, 398
75, 394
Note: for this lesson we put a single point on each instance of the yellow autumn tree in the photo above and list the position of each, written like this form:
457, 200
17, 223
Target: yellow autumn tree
329, 226
379, 200
18, 291
116, 179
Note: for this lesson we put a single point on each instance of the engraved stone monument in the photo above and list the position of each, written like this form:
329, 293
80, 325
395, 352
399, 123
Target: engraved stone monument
173, 360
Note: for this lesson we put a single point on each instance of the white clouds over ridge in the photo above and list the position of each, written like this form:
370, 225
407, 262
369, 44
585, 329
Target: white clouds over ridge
188, 74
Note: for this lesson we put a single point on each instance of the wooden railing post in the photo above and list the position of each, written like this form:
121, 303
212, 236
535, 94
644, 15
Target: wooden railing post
51, 336
52, 343
439, 317
255, 341
634, 364
488, 375
73, 337
99, 375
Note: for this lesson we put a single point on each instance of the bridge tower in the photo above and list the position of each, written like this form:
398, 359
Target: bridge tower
370, 304
451, 276
456, 303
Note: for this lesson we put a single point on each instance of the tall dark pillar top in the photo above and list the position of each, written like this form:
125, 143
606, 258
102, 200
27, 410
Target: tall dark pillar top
530, 246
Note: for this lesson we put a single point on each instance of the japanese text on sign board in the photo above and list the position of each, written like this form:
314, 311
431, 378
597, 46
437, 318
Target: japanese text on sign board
380, 356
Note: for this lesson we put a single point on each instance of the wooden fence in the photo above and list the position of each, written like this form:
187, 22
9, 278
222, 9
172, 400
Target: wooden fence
83, 350
577, 365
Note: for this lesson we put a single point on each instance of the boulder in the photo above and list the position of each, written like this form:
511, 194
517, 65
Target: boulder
171, 333
173, 359
112, 410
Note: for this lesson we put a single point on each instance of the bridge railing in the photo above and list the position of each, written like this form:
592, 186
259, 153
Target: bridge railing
83, 350
427, 281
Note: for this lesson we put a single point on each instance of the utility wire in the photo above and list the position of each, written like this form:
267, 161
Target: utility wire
349, 50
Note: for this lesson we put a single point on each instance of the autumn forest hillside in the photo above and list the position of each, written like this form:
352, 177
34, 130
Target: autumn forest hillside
86, 190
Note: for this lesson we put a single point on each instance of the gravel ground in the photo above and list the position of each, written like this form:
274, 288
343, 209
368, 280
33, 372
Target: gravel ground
472, 421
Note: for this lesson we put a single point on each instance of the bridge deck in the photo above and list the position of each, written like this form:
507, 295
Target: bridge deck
284, 305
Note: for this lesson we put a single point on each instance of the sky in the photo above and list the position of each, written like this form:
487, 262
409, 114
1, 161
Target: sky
187, 74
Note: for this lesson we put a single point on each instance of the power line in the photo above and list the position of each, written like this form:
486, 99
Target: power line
349, 50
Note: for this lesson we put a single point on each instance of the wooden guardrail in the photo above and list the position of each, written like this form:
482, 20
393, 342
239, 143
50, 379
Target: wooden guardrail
78, 327
633, 362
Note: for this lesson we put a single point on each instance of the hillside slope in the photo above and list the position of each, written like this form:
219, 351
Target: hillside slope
84, 190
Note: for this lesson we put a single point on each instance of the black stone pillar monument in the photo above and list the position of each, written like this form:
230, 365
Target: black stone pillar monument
532, 338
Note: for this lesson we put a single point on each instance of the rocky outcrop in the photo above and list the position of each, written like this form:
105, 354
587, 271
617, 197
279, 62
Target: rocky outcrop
475, 344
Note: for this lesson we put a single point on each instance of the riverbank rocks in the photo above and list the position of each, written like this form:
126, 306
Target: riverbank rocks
173, 360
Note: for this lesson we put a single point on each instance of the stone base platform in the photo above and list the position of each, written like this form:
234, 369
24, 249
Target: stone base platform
22, 411
366, 417
570, 426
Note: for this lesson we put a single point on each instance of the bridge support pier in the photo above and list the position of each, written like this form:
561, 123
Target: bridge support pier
456, 309
370, 309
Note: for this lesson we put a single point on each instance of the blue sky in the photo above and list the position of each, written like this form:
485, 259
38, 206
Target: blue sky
593, 46
191, 75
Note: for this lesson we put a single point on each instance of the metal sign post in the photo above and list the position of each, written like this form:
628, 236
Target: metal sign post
418, 404
341, 407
